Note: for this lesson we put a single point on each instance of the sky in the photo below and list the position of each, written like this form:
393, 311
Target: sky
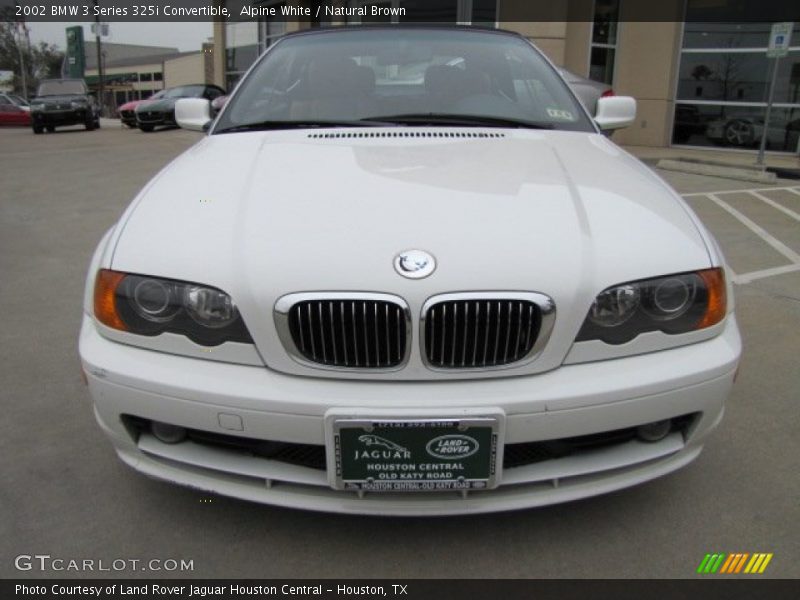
186, 36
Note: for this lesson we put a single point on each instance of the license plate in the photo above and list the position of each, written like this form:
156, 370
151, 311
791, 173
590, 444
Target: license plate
415, 455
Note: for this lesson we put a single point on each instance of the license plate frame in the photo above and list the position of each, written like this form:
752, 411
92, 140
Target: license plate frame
408, 454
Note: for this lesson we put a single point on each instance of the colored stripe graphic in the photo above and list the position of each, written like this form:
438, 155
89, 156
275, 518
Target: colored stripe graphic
726, 566
734, 563
711, 562
703, 563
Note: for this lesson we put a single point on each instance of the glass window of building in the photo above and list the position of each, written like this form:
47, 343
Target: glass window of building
241, 50
604, 41
723, 83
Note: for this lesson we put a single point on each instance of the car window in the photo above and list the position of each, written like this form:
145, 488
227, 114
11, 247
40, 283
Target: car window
358, 74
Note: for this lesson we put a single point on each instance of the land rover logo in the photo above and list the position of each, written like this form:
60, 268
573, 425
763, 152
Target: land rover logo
414, 264
451, 447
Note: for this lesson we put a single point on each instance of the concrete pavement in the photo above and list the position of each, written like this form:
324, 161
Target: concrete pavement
65, 493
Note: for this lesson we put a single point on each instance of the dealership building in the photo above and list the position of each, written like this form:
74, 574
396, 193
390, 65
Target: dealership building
700, 78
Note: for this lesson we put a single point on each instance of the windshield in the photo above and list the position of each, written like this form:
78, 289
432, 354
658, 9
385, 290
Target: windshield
58, 87
17, 100
157, 95
185, 91
352, 75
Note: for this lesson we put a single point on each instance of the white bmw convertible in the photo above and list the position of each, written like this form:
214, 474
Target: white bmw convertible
405, 273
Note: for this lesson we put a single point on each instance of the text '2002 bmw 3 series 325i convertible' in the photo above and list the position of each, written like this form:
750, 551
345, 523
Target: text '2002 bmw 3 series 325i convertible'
405, 273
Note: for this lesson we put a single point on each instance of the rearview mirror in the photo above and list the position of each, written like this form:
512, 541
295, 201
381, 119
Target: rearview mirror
193, 113
615, 112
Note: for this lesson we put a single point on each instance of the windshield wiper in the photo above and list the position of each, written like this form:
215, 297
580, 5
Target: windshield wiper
461, 120
306, 124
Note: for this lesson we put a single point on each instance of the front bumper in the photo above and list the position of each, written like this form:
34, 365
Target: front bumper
128, 117
60, 117
574, 400
155, 119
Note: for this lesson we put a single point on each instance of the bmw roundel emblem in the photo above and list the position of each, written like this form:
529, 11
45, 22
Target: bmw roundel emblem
414, 264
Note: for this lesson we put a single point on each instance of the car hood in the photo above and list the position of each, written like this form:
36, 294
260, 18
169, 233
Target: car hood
264, 214
133, 104
158, 105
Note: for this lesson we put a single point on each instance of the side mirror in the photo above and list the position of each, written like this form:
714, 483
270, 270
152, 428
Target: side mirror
615, 112
193, 113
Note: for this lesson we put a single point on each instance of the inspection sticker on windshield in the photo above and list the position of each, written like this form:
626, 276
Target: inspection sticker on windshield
560, 113
415, 455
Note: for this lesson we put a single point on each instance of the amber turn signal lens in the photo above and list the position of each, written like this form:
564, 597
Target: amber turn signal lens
717, 301
105, 307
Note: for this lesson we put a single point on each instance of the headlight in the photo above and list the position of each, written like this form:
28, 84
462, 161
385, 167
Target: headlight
78, 104
151, 306
672, 304
37, 106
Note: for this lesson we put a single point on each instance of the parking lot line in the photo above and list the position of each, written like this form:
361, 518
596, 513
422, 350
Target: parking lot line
794, 189
757, 229
754, 275
773, 204
772, 241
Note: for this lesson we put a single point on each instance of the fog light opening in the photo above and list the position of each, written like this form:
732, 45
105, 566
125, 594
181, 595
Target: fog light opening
655, 431
169, 434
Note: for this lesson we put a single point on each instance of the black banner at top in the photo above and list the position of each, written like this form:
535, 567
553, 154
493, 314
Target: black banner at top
487, 12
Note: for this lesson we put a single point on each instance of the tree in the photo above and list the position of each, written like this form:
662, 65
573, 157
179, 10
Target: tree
701, 72
41, 60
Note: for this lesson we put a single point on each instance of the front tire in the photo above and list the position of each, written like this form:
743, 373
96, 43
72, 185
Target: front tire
37, 129
89, 125
51, 128
146, 128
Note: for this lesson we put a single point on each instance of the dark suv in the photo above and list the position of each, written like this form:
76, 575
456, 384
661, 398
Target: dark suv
63, 102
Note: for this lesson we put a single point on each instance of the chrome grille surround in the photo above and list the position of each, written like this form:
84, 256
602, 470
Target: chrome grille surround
336, 330
508, 346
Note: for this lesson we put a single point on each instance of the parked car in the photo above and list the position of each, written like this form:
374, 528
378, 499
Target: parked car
63, 102
162, 112
127, 112
747, 131
217, 104
7, 98
452, 295
12, 114
588, 91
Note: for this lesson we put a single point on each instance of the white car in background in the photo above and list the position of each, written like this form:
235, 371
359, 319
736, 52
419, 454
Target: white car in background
452, 295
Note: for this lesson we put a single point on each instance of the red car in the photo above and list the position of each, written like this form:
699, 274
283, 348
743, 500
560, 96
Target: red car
11, 114
127, 112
